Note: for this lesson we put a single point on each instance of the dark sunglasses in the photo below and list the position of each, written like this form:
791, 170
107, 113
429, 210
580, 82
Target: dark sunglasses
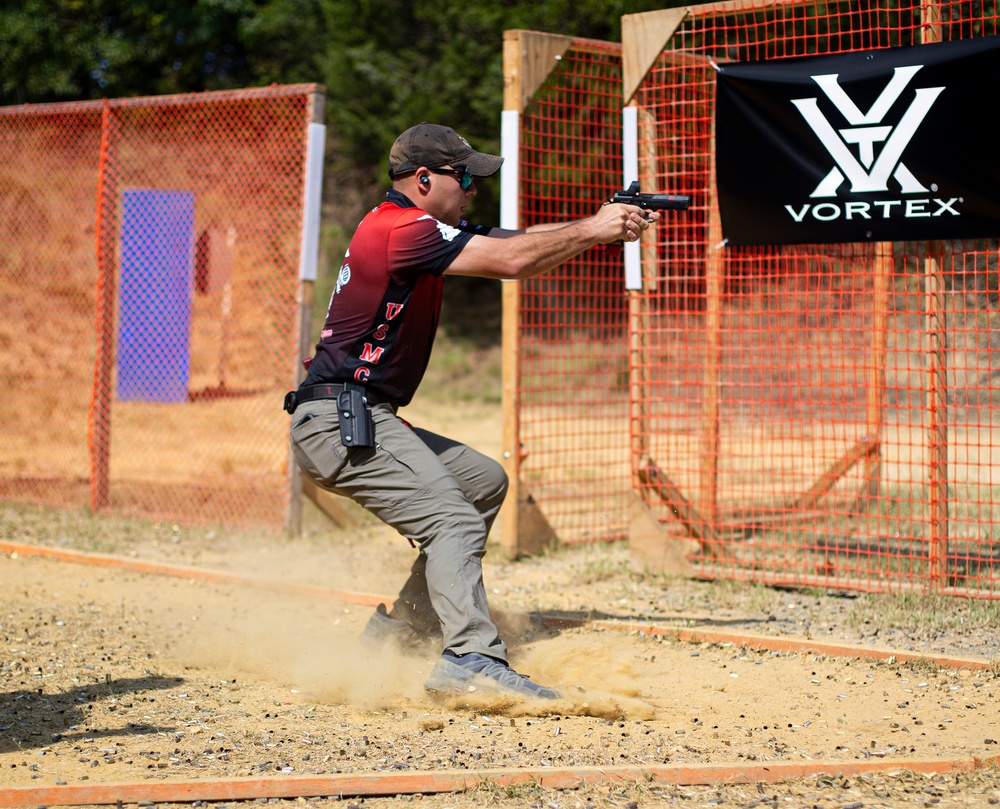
461, 171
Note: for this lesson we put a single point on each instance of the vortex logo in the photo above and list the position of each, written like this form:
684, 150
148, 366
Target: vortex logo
868, 152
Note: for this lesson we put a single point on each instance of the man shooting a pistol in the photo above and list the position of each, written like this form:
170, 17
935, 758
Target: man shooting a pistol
373, 351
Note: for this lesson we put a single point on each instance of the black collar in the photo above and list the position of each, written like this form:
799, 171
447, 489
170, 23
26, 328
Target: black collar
399, 198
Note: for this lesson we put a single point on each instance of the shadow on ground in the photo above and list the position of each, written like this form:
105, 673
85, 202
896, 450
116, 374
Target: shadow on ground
32, 718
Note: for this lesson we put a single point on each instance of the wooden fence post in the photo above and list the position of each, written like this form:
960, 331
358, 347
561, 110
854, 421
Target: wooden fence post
936, 348
528, 59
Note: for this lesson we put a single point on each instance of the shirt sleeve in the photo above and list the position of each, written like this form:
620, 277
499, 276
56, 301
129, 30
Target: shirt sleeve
420, 244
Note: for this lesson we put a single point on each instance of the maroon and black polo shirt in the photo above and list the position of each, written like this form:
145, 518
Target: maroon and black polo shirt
384, 311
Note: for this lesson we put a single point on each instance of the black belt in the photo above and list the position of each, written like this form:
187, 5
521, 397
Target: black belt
310, 392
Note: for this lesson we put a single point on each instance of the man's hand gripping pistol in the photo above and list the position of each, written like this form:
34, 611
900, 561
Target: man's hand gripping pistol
648, 202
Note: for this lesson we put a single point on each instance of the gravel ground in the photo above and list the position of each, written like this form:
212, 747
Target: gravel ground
115, 676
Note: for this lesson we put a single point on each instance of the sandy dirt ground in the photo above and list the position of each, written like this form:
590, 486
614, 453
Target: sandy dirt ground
116, 676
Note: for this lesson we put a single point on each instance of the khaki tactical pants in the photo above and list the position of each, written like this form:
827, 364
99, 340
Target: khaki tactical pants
438, 493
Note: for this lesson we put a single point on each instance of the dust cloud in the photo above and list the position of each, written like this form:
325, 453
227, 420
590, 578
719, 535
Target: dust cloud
312, 649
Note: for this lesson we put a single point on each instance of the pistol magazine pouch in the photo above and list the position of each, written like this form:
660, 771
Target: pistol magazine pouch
356, 426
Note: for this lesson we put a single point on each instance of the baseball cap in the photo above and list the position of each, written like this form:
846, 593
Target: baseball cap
432, 145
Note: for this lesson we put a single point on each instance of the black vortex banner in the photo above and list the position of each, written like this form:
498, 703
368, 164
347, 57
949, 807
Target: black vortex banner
886, 145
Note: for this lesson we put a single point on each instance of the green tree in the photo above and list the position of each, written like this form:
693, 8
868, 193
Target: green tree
388, 64
69, 50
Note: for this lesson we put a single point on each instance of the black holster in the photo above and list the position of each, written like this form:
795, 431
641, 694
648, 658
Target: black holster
356, 426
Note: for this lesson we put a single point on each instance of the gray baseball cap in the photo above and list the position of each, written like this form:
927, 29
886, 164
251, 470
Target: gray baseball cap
432, 146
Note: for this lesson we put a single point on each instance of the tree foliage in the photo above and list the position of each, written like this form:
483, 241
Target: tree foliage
386, 64
68, 50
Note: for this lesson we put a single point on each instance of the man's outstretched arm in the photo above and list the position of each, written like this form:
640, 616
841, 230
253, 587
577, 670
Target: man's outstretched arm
508, 254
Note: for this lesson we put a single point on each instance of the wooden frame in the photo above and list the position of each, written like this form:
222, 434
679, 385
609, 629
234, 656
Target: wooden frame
645, 36
528, 59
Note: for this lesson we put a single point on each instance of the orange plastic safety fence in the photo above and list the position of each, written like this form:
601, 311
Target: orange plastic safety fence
813, 415
807, 415
150, 283
573, 380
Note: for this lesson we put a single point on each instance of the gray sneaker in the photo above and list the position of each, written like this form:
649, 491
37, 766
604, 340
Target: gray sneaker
382, 629
471, 672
